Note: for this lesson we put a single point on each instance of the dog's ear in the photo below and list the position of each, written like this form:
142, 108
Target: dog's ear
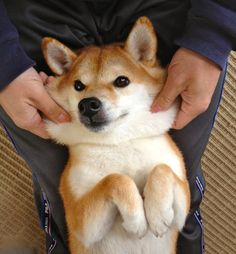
58, 57
142, 42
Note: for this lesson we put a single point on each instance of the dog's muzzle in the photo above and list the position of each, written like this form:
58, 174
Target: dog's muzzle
91, 113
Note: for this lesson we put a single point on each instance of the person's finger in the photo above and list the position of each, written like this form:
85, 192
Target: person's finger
40, 129
50, 79
32, 121
182, 119
43, 76
168, 94
52, 110
186, 114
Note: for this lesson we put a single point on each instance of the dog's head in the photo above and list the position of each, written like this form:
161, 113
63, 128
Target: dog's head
108, 90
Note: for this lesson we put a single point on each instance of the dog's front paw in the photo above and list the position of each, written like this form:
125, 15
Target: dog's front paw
159, 199
159, 219
136, 224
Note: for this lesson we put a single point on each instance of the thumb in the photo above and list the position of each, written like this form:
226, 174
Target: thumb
51, 109
182, 119
45, 78
167, 96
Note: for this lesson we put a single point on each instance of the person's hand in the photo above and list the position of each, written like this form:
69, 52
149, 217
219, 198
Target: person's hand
26, 101
192, 77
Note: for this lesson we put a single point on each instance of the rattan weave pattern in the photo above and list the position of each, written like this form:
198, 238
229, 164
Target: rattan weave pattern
19, 224
219, 164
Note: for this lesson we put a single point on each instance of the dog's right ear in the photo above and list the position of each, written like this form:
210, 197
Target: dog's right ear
142, 42
58, 57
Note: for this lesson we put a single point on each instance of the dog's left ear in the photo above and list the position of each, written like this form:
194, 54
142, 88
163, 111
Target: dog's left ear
142, 42
58, 57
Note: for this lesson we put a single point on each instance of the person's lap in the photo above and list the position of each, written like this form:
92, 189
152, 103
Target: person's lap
47, 160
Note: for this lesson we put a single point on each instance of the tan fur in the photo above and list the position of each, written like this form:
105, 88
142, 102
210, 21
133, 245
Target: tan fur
145, 199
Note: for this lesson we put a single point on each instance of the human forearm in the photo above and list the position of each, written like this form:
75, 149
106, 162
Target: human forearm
210, 29
14, 60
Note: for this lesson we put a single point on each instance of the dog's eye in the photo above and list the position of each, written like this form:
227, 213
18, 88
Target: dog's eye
79, 86
121, 81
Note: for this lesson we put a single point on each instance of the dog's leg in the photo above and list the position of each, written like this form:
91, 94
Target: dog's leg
95, 212
166, 200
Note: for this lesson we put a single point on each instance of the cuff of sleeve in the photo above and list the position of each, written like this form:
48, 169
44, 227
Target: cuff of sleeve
14, 61
208, 41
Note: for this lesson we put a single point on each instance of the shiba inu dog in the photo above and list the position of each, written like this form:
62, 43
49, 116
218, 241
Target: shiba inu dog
124, 187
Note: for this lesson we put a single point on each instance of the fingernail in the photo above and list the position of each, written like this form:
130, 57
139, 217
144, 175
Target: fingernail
155, 108
50, 79
63, 118
173, 125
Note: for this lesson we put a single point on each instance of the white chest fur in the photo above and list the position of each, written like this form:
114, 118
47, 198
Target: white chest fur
135, 158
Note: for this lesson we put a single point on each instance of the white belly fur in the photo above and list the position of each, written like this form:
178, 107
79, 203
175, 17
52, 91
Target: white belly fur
136, 159
119, 242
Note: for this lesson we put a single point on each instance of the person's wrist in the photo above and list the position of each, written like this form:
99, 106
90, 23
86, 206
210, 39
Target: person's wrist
201, 57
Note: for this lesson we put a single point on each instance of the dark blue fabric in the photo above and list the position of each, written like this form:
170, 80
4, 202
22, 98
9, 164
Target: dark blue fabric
211, 29
13, 59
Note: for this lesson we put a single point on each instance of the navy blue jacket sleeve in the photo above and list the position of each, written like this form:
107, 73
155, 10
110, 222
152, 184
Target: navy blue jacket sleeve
13, 59
211, 29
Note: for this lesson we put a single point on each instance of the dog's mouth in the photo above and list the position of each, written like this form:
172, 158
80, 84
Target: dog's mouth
95, 126
98, 123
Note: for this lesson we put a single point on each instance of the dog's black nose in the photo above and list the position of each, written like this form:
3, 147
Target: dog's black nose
89, 106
